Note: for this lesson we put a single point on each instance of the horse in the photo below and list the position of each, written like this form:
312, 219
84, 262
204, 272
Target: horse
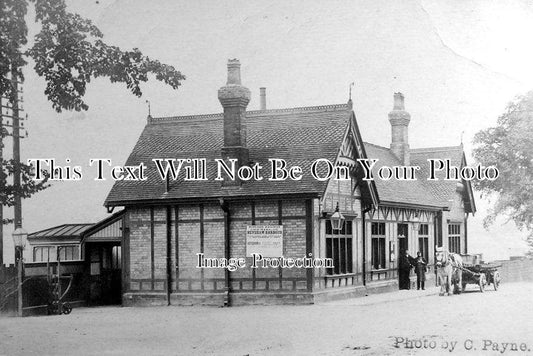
449, 271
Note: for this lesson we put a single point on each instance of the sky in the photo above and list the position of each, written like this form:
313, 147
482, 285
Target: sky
458, 63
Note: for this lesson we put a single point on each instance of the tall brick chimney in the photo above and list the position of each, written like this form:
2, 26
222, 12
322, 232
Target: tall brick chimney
399, 120
234, 98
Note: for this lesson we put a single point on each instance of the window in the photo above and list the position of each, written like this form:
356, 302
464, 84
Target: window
68, 253
95, 261
378, 245
50, 253
111, 257
339, 248
423, 241
454, 238
44, 254
116, 258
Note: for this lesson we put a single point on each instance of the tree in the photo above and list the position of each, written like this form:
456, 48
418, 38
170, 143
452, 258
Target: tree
509, 147
68, 52
27, 188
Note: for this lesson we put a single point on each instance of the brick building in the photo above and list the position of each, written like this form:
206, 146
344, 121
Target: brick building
168, 222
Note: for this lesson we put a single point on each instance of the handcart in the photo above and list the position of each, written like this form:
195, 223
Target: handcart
56, 295
56, 305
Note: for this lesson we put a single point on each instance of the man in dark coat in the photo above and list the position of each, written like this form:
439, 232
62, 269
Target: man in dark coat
404, 269
420, 269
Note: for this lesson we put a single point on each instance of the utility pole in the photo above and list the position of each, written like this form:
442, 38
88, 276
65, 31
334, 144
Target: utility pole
2, 185
19, 249
11, 105
16, 148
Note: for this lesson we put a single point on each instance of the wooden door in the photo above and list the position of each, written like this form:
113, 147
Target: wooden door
105, 274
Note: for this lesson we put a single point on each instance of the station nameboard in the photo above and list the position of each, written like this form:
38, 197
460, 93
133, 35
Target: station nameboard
266, 240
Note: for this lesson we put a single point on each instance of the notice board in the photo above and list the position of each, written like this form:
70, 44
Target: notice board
266, 240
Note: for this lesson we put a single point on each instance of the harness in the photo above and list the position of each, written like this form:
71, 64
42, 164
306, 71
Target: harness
444, 262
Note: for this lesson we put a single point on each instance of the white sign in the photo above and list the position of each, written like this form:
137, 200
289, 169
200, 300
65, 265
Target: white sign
266, 240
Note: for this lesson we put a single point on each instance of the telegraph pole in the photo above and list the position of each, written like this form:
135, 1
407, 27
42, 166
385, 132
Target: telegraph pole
11, 104
16, 148
3, 187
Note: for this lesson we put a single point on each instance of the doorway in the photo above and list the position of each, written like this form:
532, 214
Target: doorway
403, 245
105, 273
403, 237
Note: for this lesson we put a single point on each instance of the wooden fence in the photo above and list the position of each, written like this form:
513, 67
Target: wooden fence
36, 292
8, 290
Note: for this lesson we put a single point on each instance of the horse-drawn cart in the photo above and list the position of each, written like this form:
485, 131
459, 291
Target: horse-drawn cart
482, 274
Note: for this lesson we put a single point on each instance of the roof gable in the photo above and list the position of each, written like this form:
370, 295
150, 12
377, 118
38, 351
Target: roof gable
108, 229
351, 149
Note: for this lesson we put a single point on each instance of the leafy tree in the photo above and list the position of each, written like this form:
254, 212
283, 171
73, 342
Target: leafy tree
509, 146
68, 52
27, 188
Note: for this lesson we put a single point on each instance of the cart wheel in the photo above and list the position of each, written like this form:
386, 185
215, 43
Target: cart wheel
496, 279
67, 308
482, 282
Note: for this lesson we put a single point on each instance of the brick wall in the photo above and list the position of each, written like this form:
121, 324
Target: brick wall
519, 270
200, 229
140, 257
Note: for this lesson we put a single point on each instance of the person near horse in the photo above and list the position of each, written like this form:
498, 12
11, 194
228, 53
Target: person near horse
404, 269
420, 269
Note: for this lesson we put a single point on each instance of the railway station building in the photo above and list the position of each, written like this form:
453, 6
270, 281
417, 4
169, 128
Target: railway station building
173, 227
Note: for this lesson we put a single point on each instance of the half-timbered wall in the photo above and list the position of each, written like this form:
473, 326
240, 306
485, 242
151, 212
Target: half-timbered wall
200, 229
347, 194
391, 217
147, 249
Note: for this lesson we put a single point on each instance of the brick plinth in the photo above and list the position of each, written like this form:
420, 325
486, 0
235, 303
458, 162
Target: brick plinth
144, 299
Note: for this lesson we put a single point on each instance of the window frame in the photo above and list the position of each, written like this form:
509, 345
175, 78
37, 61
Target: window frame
339, 247
454, 237
423, 241
72, 252
378, 245
66, 248
41, 248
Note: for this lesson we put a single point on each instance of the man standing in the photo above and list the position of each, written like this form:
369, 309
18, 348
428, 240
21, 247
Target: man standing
404, 269
420, 269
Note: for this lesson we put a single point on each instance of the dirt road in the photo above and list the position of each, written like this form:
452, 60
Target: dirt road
403, 322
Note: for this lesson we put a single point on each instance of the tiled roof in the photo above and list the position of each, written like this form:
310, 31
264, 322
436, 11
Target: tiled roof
298, 135
394, 191
65, 231
441, 189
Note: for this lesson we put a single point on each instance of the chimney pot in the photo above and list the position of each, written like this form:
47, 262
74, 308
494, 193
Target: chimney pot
234, 72
398, 101
263, 99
